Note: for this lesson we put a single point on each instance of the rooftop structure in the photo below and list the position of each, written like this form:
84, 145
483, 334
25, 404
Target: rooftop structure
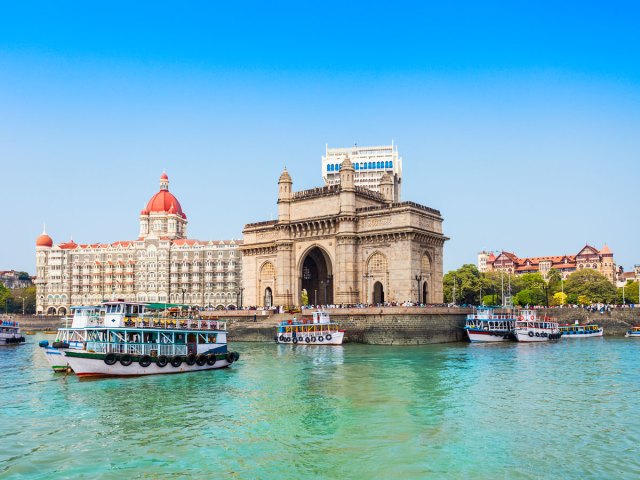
370, 165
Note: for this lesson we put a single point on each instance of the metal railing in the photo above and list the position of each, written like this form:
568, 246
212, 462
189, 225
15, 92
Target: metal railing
152, 349
175, 323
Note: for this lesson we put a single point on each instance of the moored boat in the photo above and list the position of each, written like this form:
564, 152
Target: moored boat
487, 326
529, 328
145, 339
581, 331
10, 333
633, 332
317, 330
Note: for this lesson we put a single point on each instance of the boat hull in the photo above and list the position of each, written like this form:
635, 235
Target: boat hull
526, 338
93, 365
632, 335
336, 339
487, 336
56, 358
598, 333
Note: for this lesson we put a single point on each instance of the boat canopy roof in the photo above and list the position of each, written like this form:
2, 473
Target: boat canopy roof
164, 306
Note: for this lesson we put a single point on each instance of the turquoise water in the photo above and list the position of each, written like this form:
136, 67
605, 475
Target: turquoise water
562, 410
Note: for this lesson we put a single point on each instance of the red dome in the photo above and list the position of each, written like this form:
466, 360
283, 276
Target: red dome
44, 240
164, 176
162, 202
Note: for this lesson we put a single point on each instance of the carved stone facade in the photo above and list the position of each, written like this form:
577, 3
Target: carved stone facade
343, 244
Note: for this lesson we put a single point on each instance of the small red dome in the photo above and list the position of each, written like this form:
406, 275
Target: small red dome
144, 211
44, 240
164, 176
162, 202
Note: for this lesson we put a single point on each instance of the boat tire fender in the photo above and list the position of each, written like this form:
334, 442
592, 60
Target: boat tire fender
282, 338
313, 339
191, 359
308, 339
328, 337
211, 359
110, 358
531, 334
236, 356
294, 339
201, 360
162, 361
230, 357
321, 338
300, 339
537, 334
125, 360
60, 345
176, 361
145, 361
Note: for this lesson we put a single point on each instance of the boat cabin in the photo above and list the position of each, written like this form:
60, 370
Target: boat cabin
85, 317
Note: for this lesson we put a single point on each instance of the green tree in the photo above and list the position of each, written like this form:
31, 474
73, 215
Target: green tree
5, 299
29, 296
529, 296
467, 281
630, 293
592, 286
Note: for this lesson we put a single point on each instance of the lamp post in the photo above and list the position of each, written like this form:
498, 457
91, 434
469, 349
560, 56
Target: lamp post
184, 290
22, 298
418, 280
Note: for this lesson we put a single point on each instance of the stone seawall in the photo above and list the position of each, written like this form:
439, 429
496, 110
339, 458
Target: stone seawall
376, 326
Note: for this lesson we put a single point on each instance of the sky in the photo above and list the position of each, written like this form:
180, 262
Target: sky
519, 121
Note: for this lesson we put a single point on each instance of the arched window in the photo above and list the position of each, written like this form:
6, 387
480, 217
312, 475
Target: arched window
379, 164
391, 164
377, 263
425, 264
357, 166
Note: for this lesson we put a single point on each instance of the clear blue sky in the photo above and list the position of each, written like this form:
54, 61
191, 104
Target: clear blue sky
521, 124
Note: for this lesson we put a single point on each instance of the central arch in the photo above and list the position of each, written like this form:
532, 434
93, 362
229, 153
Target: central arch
378, 293
316, 277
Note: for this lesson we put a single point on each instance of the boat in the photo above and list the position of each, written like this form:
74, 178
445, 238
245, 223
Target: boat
49, 332
133, 338
317, 330
29, 332
633, 332
10, 333
581, 331
529, 328
486, 326
72, 336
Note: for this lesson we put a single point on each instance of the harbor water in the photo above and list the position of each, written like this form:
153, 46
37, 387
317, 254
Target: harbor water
559, 410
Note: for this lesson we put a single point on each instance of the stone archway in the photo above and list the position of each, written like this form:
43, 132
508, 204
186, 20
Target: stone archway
317, 278
378, 293
425, 292
62, 311
51, 311
268, 297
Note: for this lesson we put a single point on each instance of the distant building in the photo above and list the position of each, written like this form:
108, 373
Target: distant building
12, 279
370, 165
587, 257
162, 265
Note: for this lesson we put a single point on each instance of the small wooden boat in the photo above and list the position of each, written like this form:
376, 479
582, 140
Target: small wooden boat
318, 330
633, 332
581, 331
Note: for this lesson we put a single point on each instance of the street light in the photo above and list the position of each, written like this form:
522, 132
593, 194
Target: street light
418, 279
184, 290
22, 298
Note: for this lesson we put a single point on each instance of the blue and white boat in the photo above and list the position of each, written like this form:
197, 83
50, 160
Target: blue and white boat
10, 333
487, 326
581, 331
633, 332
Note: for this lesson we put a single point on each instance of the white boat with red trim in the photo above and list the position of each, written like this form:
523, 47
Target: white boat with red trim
317, 330
146, 339
529, 328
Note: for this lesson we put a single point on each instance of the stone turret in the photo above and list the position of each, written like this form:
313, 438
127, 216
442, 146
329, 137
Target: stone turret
284, 196
347, 188
386, 188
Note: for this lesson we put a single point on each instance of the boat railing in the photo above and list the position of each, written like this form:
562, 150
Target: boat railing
485, 317
152, 349
175, 323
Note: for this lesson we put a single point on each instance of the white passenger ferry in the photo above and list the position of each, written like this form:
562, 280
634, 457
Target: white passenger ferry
529, 328
129, 338
317, 330
581, 331
487, 326
10, 333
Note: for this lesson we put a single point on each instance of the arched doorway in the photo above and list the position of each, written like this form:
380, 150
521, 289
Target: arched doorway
62, 311
316, 276
378, 293
425, 291
51, 311
268, 297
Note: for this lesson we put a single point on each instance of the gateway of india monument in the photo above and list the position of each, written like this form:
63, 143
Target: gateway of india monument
351, 241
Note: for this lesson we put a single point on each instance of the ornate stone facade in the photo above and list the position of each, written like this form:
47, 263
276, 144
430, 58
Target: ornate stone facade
343, 244
162, 265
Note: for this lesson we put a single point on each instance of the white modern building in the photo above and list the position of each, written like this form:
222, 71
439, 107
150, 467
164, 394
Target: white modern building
161, 265
370, 164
